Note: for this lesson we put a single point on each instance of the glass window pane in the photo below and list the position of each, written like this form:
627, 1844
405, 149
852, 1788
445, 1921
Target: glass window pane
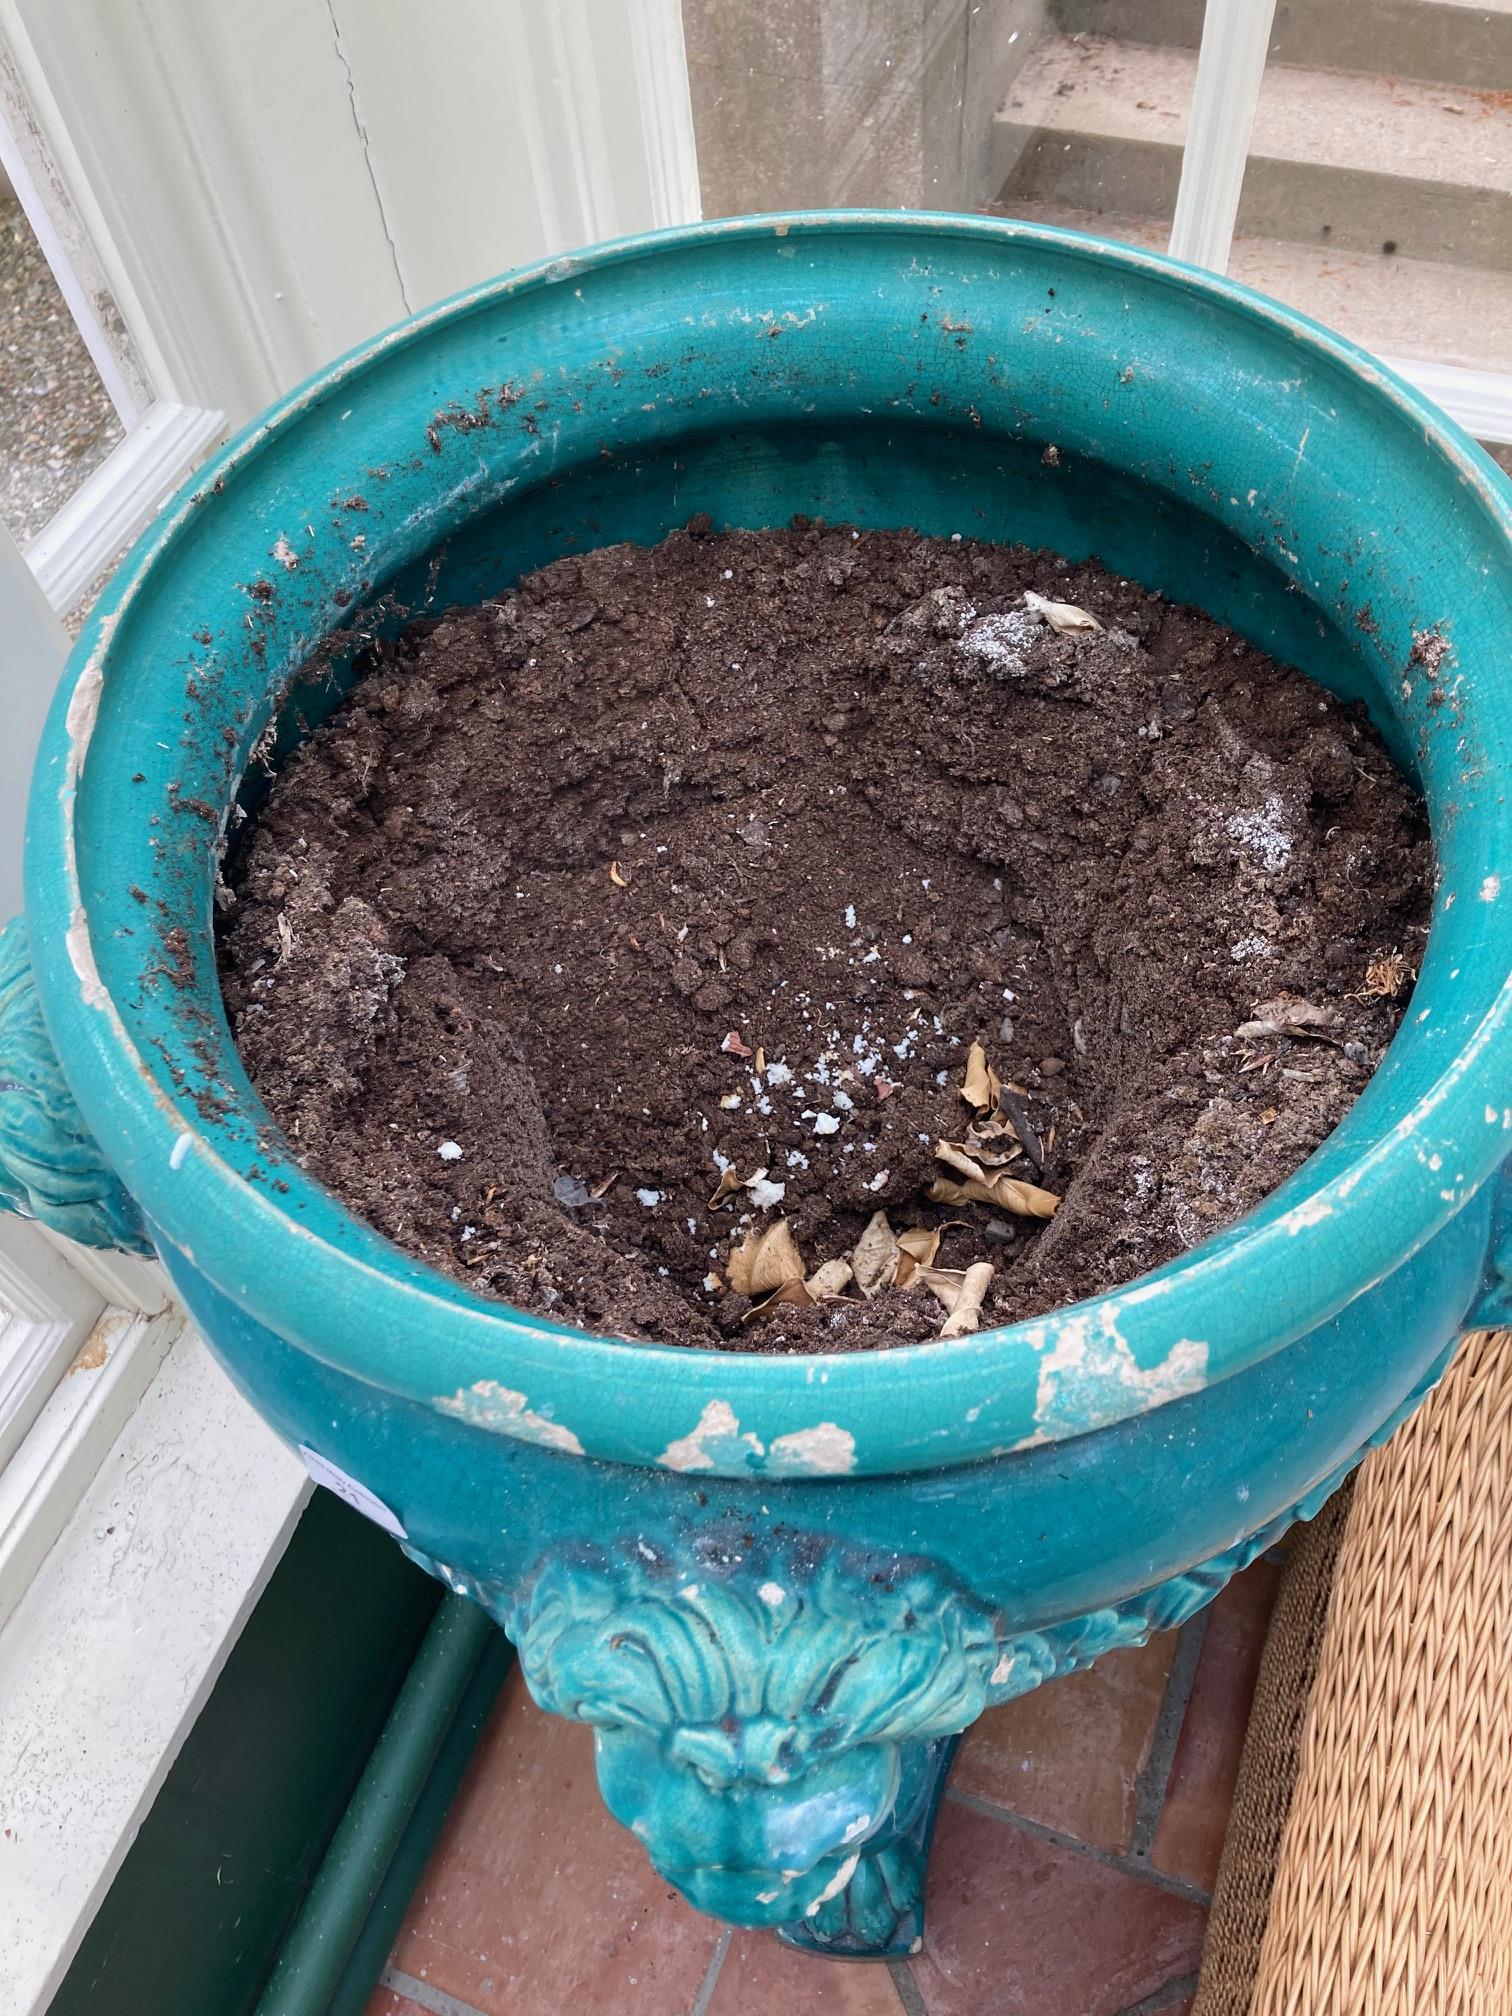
56, 423
1092, 125
1378, 194
999, 105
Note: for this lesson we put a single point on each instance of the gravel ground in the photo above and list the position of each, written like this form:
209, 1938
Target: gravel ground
56, 424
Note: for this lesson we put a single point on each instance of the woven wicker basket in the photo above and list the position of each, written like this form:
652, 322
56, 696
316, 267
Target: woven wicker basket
1364, 1873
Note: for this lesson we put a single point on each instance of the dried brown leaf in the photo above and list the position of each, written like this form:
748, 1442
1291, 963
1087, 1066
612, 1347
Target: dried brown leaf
1025, 1200
992, 1141
601, 1189
944, 1283
982, 1084
618, 876
961, 1190
792, 1294
1061, 616
954, 1156
734, 1045
730, 1181
917, 1248
978, 1186
829, 1282
875, 1259
921, 1243
960, 1293
766, 1260
1288, 1012
967, 1314
1286, 1017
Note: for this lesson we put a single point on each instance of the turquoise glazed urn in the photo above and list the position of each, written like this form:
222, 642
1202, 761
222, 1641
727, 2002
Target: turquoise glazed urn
779, 1588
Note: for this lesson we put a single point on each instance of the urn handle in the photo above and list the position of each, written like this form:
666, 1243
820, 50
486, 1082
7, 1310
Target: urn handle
51, 1167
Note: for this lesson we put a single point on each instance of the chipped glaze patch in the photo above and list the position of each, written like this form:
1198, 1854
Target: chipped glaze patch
716, 1439
834, 1886
81, 958
1090, 1376
824, 1450
821, 1451
83, 712
1490, 889
487, 1404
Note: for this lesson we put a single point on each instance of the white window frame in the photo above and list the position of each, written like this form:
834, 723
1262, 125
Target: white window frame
166, 438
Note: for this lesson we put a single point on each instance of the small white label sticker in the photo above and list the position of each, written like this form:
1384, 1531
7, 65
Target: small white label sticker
350, 1492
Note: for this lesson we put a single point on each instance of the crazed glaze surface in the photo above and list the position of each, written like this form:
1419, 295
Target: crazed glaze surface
778, 1588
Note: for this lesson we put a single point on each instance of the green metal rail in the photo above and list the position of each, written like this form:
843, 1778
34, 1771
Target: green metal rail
336, 1946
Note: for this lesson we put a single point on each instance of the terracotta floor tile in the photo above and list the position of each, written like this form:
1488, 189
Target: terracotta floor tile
535, 1902
762, 1977
386, 2003
1069, 1755
1200, 1789
1019, 1926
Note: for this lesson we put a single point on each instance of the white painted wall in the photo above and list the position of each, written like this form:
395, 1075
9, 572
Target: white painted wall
268, 185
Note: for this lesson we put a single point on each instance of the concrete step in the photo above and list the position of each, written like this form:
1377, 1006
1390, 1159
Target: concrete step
1398, 307
1447, 41
1342, 161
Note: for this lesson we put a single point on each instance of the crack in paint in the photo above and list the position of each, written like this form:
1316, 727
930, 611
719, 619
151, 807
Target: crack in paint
367, 154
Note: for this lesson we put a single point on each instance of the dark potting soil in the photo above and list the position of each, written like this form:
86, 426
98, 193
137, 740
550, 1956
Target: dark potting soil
703, 869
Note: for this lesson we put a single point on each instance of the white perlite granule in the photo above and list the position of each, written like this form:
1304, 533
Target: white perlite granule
1001, 639
1263, 829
